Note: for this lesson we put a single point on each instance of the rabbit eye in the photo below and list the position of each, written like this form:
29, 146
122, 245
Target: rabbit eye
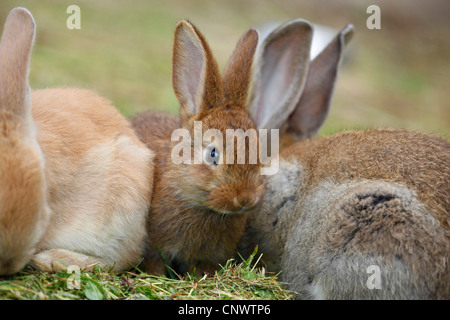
212, 155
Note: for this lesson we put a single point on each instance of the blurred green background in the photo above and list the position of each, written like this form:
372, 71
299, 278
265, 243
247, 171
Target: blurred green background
394, 77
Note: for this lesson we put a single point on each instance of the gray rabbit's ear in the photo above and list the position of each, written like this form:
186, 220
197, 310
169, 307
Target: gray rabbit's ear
280, 72
314, 103
15, 50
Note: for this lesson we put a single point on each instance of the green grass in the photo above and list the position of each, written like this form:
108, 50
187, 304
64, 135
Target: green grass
234, 281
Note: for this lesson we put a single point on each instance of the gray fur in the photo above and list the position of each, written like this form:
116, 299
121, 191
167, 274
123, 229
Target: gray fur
354, 215
325, 251
279, 201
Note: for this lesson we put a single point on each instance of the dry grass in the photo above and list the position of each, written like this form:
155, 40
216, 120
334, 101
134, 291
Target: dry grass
234, 281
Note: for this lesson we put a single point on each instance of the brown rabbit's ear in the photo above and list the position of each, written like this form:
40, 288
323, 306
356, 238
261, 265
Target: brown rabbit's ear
314, 104
280, 73
15, 49
195, 75
237, 73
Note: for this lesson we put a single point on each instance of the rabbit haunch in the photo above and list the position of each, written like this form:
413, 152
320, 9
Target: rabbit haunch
198, 211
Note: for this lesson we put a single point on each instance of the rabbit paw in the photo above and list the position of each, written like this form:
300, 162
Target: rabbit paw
55, 260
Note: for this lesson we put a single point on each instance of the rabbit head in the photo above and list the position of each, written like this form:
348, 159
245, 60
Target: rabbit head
23, 207
216, 104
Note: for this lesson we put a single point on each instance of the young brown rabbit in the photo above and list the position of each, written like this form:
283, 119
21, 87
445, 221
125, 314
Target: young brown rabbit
198, 211
356, 215
75, 180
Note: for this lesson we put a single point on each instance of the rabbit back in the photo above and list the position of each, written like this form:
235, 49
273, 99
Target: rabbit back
413, 159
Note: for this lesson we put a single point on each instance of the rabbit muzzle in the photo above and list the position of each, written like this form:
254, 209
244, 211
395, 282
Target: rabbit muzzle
229, 199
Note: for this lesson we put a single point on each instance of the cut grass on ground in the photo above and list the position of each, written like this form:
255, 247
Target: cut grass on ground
235, 281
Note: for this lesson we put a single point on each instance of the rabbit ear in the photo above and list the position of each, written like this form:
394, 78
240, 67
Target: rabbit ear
280, 74
15, 49
237, 73
195, 75
314, 103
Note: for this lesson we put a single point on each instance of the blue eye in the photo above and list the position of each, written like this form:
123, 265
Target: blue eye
211, 155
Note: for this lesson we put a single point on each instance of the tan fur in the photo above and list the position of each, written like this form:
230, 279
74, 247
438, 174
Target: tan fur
21, 161
198, 212
342, 204
99, 177
22, 201
76, 180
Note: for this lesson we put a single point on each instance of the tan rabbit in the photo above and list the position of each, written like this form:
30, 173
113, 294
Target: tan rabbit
75, 179
198, 211
356, 215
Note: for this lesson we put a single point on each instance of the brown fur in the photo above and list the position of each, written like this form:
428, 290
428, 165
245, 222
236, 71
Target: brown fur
386, 155
198, 212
